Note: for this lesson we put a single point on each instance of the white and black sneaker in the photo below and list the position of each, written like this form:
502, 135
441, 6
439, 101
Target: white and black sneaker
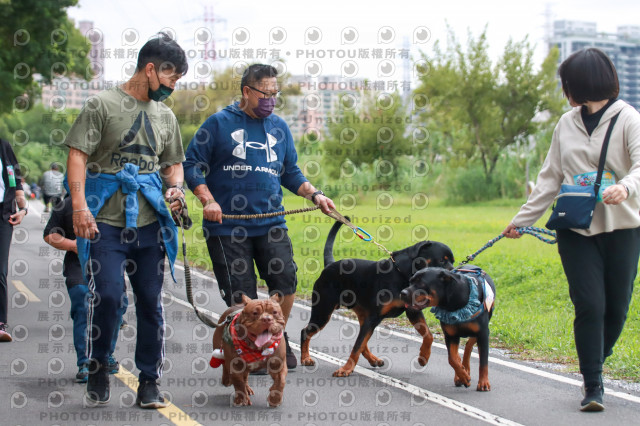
149, 395
97, 384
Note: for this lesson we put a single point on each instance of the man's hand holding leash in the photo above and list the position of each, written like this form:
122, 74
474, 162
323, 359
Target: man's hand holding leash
317, 197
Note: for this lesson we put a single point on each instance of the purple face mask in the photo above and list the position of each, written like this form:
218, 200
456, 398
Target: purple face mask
265, 107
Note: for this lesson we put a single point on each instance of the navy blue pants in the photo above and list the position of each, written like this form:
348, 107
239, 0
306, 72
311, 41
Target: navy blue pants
140, 253
600, 270
79, 296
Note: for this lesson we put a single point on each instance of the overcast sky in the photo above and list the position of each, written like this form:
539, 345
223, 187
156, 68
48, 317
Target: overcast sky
305, 32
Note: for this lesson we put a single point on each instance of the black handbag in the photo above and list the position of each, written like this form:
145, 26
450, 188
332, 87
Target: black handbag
574, 205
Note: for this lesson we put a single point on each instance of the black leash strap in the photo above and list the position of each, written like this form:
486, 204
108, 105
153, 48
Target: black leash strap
187, 273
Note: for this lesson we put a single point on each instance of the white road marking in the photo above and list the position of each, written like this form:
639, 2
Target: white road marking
449, 403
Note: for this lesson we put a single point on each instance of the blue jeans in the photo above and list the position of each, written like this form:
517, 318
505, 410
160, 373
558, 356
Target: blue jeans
79, 296
140, 253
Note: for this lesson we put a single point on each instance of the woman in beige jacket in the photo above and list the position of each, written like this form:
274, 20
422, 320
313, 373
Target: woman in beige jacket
600, 262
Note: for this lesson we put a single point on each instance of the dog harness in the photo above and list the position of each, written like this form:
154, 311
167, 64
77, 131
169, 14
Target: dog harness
244, 351
481, 297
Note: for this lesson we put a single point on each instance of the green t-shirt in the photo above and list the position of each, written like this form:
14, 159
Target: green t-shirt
114, 128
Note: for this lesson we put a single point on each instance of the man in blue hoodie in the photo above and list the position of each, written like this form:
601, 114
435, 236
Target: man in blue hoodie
236, 163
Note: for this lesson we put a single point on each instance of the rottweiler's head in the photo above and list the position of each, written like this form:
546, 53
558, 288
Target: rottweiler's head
424, 254
433, 287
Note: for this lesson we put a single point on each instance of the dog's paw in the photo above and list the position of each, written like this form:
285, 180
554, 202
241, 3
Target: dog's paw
422, 361
483, 386
307, 361
248, 390
376, 362
241, 399
342, 372
274, 399
462, 381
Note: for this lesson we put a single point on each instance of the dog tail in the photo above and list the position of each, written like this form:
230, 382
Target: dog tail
328, 246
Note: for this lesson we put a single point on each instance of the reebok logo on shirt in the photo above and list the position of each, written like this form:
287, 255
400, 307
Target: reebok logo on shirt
128, 145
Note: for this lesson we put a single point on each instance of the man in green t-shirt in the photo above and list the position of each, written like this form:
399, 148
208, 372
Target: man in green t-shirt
122, 142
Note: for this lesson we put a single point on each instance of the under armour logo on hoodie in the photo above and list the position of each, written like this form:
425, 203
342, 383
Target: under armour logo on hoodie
240, 138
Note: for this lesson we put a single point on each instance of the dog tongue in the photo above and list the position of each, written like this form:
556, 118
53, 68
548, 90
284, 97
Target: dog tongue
262, 338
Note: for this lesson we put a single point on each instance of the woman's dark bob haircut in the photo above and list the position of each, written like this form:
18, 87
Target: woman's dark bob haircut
589, 75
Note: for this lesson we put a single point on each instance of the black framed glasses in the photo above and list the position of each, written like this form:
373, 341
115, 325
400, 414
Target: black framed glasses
267, 95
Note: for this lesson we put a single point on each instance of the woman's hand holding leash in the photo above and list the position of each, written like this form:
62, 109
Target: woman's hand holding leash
511, 232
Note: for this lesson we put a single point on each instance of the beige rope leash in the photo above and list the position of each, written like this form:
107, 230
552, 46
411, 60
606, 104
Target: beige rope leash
265, 215
333, 214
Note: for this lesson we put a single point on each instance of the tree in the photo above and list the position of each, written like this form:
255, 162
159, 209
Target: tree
479, 109
36, 36
371, 134
37, 137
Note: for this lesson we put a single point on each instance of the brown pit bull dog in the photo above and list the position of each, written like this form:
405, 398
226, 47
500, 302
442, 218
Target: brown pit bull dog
251, 338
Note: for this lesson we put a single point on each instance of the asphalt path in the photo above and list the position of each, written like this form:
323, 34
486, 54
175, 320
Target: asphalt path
37, 370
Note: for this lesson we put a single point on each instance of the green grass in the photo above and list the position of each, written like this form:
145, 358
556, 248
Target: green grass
533, 316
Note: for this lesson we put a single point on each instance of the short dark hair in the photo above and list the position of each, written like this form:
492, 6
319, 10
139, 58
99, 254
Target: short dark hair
161, 50
589, 75
256, 72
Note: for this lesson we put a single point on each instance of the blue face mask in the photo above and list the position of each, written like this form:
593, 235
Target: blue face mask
161, 93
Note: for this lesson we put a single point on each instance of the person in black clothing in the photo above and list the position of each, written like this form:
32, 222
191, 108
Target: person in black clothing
59, 234
13, 206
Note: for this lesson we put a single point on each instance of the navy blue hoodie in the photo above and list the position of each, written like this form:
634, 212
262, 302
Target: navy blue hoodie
244, 162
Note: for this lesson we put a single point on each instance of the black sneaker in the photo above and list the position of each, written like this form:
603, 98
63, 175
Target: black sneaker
97, 384
149, 395
592, 398
292, 361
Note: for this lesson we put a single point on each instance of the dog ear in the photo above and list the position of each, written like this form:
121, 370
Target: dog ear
445, 277
245, 299
448, 288
277, 298
411, 252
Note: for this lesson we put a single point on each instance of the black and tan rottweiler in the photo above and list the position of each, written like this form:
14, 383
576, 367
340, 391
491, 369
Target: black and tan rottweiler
463, 301
372, 290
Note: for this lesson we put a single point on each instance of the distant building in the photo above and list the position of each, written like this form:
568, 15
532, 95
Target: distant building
70, 91
317, 105
622, 47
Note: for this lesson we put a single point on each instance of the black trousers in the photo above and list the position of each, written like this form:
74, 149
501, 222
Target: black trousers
233, 264
600, 270
6, 231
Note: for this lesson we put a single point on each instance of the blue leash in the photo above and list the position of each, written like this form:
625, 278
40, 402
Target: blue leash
531, 230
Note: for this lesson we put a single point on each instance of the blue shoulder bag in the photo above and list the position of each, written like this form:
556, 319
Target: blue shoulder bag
574, 205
